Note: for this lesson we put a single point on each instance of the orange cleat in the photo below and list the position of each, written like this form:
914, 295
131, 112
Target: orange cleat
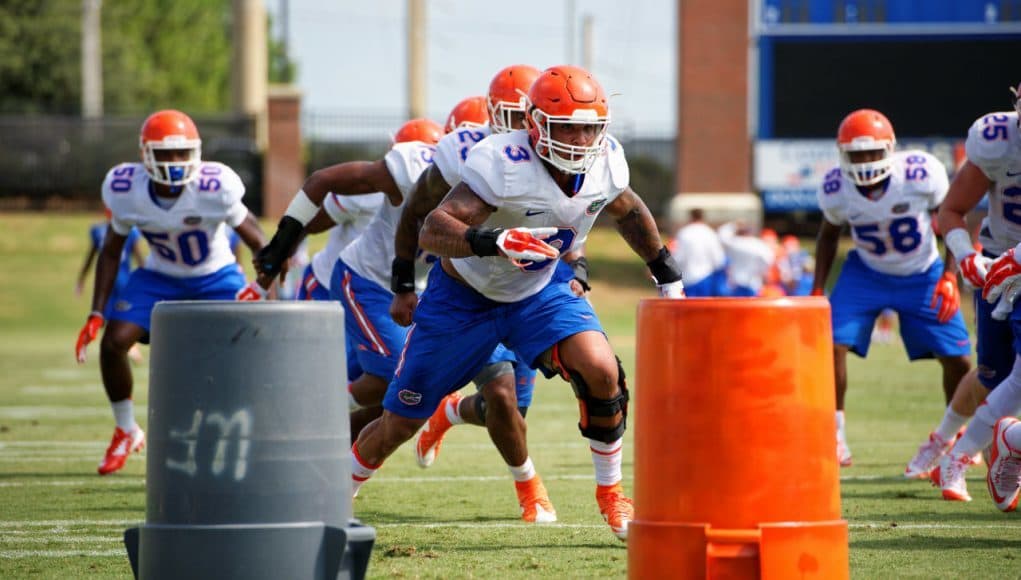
536, 508
122, 445
427, 447
617, 509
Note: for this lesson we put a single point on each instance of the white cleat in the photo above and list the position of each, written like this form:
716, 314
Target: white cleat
1004, 477
949, 476
928, 456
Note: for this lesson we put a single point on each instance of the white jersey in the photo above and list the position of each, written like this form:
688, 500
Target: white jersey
351, 213
893, 233
505, 172
699, 252
372, 253
452, 151
749, 258
994, 146
189, 238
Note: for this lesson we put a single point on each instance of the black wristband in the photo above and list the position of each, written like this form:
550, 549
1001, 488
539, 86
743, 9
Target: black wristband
664, 267
483, 242
402, 275
273, 255
580, 269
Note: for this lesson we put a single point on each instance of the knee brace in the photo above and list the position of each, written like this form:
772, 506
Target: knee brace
480, 409
490, 372
589, 406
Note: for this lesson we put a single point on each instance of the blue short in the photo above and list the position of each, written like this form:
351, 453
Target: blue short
311, 289
145, 288
861, 293
995, 343
711, 285
456, 329
370, 332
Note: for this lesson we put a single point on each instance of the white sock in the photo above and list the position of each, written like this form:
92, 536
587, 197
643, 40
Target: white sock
951, 424
840, 426
124, 414
606, 458
453, 412
360, 470
1003, 401
524, 472
1013, 436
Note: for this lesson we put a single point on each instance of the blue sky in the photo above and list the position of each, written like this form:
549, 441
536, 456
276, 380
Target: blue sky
352, 54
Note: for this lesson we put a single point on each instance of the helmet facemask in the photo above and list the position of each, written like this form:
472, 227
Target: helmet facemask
568, 158
502, 113
172, 173
866, 173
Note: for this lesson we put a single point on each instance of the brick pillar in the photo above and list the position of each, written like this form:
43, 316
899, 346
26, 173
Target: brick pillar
283, 166
713, 148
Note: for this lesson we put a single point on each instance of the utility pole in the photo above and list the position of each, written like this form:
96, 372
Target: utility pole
92, 60
416, 59
250, 72
587, 41
570, 17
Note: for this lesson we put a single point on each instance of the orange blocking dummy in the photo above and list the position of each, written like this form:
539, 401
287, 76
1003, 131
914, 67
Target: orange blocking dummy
735, 473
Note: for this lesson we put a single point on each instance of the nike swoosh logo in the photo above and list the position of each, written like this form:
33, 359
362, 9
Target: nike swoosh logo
1009, 174
533, 212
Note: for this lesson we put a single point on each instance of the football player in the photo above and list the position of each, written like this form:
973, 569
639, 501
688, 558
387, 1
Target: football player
993, 165
183, 207
524, 197
505, 391
360, 278
887, 199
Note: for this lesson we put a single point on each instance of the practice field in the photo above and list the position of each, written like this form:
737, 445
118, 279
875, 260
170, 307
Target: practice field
58, 519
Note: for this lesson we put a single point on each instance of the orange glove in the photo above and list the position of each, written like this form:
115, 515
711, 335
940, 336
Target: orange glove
817, 292
947, 296
253, 292
87, 334
526, 245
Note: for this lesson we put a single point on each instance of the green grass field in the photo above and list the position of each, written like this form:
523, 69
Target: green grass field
58, 519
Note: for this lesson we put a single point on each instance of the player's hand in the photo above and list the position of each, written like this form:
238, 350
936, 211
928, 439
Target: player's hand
526, 245
817, 292
946, 298
252, 292
974, 269
1003, 283
671, 290
402, 307
87, 334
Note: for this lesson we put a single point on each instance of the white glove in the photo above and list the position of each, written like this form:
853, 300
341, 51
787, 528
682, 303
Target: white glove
671, 290
527, 245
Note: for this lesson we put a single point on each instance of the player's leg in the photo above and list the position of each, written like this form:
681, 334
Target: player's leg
128, 323
597, 378
1004, 401
857, 299
969, 395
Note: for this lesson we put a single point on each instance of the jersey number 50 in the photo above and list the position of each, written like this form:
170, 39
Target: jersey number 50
192, 246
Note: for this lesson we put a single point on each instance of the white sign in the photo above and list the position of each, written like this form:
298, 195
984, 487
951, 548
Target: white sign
793, 164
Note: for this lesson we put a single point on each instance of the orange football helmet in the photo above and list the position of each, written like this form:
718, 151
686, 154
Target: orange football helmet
866, 130
508, 94
424, 130
470, 112
569, 95
173, 130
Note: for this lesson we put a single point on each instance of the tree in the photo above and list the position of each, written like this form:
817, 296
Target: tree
156, 54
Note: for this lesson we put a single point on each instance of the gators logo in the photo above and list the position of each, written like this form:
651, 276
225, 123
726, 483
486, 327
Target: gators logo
410, 398
595, 206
